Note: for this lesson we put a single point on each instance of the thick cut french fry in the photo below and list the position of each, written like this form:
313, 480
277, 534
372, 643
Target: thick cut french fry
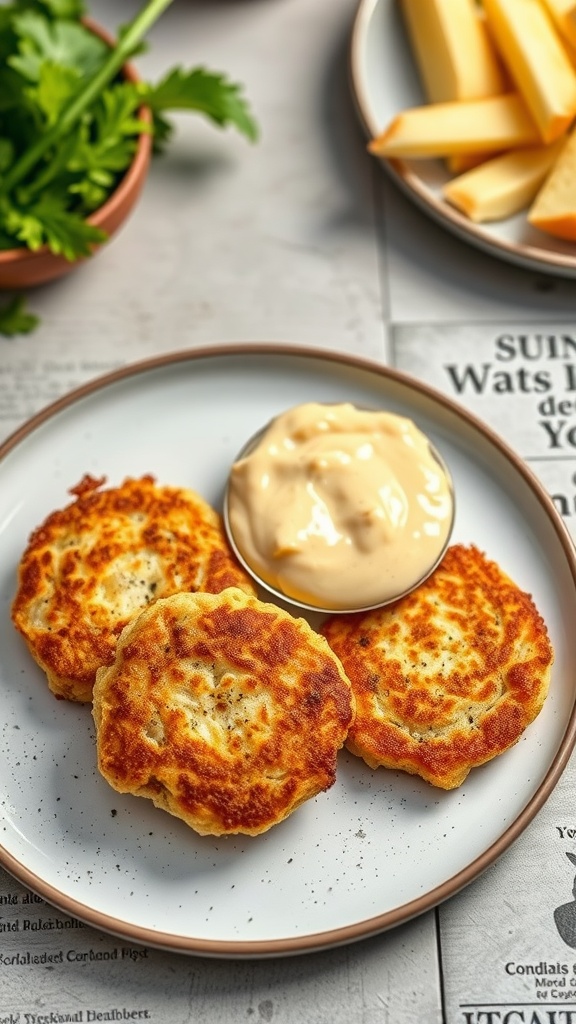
533, 52
554, 209
504, 185
563, 13
460, 162
470, 126
454, 55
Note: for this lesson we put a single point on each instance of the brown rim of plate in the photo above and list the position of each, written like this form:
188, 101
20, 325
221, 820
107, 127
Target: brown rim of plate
404, 174
389, 919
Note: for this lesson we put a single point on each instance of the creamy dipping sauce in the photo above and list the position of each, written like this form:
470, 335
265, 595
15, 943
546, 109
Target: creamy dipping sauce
340, 507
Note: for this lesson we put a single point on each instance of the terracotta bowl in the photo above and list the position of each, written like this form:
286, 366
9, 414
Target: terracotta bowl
22, 268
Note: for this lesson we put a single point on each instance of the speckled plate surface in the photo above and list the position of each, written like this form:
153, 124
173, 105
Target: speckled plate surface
384, 82
376, 849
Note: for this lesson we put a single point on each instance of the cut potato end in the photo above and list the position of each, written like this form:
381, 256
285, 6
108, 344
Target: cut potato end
504, 185
561, 226
554, 208
441, 129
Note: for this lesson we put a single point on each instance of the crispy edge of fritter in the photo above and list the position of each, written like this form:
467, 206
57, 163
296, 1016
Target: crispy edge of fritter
365, 645
70, 653
293, 735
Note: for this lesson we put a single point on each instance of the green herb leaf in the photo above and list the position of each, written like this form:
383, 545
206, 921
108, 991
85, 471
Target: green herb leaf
67, 43
203, 91
48, 222
15, 319
64, 8
12, 90
56, 87
6, 153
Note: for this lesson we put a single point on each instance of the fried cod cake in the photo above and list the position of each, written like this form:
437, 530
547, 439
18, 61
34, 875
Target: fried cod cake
90, 567
447, 677
223, 710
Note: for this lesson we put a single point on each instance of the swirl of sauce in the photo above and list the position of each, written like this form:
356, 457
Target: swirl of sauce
340, 508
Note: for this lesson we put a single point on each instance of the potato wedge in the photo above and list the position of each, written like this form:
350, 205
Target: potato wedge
537, 61
554, 208
504, 185
453, 52
467, 126
563, 13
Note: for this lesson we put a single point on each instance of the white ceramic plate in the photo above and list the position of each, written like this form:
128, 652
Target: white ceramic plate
384, 82
376, 849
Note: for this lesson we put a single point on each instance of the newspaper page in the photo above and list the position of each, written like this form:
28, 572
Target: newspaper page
55, 969
28, 384
508, 942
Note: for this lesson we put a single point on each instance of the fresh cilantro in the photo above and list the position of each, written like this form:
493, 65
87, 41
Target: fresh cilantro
63, 8
69, 123
56, 87
202, 91
65, 43
6, 153
48, 222
14, 318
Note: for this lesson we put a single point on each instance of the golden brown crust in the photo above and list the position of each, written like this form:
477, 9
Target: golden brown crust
225, 711
90, 567
448, 677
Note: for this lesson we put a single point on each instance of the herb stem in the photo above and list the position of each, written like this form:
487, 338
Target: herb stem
126, 43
